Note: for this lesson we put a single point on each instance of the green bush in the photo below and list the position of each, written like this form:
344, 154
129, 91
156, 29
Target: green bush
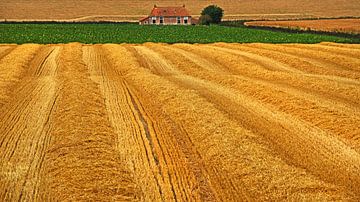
205, 20
216, 13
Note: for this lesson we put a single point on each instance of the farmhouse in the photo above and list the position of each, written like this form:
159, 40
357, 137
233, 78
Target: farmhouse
168, 16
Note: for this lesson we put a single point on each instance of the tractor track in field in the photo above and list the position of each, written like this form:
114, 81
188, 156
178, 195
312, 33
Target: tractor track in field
28, 113
212, 94
152, 136
159, 122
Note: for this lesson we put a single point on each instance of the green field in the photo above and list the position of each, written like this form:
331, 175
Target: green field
133, 33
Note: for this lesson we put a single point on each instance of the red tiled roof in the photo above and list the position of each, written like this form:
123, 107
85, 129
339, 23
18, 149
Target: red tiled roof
169, 11
142, 19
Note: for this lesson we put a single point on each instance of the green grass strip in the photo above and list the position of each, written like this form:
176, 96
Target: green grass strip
133, 33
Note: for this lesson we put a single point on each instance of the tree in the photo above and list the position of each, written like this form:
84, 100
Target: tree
205, 20
216, 13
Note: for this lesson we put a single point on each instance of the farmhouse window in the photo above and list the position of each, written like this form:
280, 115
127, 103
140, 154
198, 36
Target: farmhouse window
178, 20
161, 20
153, 20
186, 20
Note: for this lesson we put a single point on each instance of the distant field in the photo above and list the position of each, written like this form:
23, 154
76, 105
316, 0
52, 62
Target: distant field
133, 33
334, 25
121, 10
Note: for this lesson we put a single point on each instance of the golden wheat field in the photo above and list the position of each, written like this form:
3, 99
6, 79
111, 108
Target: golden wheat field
129, 10
158, 122
333, 25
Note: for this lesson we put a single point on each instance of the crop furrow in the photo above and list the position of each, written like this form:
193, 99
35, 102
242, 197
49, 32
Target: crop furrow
31, 135
40, 67
355, 47
220, 92
325, 113
158, 88
309, 66
12, 68
336, 50
343, 92
179, 122
124, 121
266, 62
35, 95
320, 59
342, 61
81, 161
161, 147
173, 162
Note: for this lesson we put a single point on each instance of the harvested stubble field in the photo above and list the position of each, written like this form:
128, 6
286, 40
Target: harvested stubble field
351, 26
157, 122
120, 10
